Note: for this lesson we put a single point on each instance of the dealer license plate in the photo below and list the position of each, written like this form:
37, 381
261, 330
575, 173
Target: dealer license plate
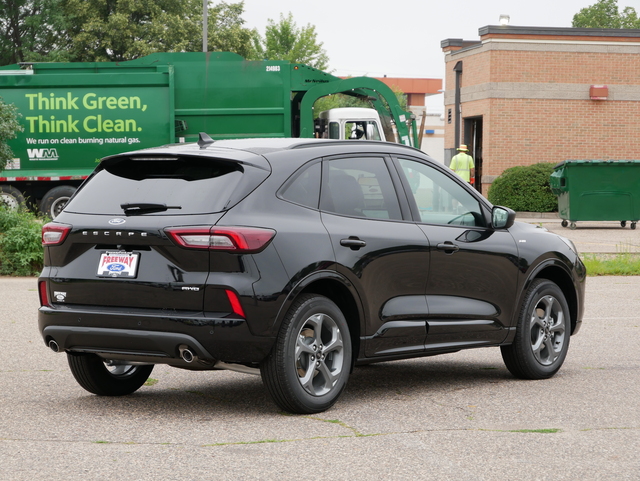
118, 264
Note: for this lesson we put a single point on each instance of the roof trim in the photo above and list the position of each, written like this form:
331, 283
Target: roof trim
559, 31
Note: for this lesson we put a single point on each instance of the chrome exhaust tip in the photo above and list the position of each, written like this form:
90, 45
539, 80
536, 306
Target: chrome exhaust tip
53, 345
187, 354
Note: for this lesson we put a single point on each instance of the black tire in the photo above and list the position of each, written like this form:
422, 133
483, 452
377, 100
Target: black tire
93, 374
564, 223
623, 223
309, 365
54, 201
11, 197
542, 335
633, 226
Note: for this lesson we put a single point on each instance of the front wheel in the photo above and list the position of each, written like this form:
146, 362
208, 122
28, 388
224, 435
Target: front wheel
542, 335
107, 378
309, 365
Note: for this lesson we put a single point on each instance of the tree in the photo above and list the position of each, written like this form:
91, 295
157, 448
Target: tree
605, 14
106, 30
226, 32
115, 30
29, 30
285, 41
9, 125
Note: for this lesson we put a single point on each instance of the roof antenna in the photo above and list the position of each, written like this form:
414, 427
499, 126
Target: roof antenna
204, 140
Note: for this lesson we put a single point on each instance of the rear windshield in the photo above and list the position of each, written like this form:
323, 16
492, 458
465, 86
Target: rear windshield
186, 185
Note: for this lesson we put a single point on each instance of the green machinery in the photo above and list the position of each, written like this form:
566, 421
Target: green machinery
74, 114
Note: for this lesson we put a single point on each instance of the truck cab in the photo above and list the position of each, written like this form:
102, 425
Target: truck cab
351, 123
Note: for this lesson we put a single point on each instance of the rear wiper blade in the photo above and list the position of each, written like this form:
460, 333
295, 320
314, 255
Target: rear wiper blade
146, 208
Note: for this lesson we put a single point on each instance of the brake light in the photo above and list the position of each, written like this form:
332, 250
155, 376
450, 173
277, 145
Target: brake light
54, 233
44, 295
227, 239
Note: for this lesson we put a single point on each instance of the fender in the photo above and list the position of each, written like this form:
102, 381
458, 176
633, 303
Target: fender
319, 276
530, 277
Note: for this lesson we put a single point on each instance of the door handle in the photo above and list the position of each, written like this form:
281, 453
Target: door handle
448, 247
353, 243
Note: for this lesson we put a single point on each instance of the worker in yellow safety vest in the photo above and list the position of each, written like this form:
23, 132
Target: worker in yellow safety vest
462, 164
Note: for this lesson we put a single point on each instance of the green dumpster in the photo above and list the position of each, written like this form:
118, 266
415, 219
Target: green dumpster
596, 190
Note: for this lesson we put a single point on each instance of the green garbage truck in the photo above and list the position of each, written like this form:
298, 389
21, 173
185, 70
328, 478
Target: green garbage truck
74, 114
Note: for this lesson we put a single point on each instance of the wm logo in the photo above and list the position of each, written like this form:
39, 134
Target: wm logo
42, 154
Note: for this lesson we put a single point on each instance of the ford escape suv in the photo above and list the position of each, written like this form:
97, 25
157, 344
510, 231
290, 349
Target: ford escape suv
296, 259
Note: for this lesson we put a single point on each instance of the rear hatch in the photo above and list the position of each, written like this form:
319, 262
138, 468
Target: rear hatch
118, 250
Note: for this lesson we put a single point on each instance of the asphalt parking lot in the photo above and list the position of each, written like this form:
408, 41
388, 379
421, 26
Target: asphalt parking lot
453, 417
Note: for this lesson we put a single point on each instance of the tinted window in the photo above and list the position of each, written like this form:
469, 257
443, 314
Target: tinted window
304, 188
440, 199
195, 185
359, 187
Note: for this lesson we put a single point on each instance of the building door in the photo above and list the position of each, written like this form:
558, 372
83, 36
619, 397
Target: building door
473, 139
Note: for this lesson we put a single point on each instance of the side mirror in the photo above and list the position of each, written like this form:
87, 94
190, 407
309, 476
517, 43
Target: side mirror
502, 217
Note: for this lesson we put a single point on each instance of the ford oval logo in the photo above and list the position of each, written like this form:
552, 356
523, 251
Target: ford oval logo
117, 221
116, 267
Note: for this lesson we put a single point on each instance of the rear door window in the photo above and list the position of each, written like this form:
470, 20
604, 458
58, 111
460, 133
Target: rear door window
359, 187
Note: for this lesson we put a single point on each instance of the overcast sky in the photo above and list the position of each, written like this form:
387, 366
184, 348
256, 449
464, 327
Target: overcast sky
402, 38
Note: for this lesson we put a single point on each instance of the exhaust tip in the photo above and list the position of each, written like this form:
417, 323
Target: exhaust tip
53, 345
187, 354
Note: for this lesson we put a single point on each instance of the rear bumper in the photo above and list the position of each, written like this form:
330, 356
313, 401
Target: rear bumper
152, 337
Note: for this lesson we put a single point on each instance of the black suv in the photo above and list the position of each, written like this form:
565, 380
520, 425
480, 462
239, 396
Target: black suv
297, 259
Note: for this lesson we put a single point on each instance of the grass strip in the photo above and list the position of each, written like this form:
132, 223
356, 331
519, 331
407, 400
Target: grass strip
626, 264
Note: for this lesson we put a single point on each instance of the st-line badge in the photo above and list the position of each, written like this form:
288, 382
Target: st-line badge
118, 264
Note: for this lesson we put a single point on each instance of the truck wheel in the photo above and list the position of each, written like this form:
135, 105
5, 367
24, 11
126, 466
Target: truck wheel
542, 333
54, 201
309, 365
11, 197
105, 378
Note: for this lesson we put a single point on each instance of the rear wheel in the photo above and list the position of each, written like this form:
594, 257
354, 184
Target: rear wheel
11, 197
542, 336
54, 201
309, 365
107, 378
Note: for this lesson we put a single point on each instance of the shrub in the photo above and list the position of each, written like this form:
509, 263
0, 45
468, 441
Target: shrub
20, 243
525, 189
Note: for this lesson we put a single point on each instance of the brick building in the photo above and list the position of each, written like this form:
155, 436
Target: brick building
532, 94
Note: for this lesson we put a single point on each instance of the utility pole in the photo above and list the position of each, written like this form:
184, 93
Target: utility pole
205, 33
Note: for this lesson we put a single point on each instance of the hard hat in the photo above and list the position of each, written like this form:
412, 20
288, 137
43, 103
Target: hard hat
463, 148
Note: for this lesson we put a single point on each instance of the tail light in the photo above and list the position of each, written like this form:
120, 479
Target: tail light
44, 295
245, 240
54, 233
